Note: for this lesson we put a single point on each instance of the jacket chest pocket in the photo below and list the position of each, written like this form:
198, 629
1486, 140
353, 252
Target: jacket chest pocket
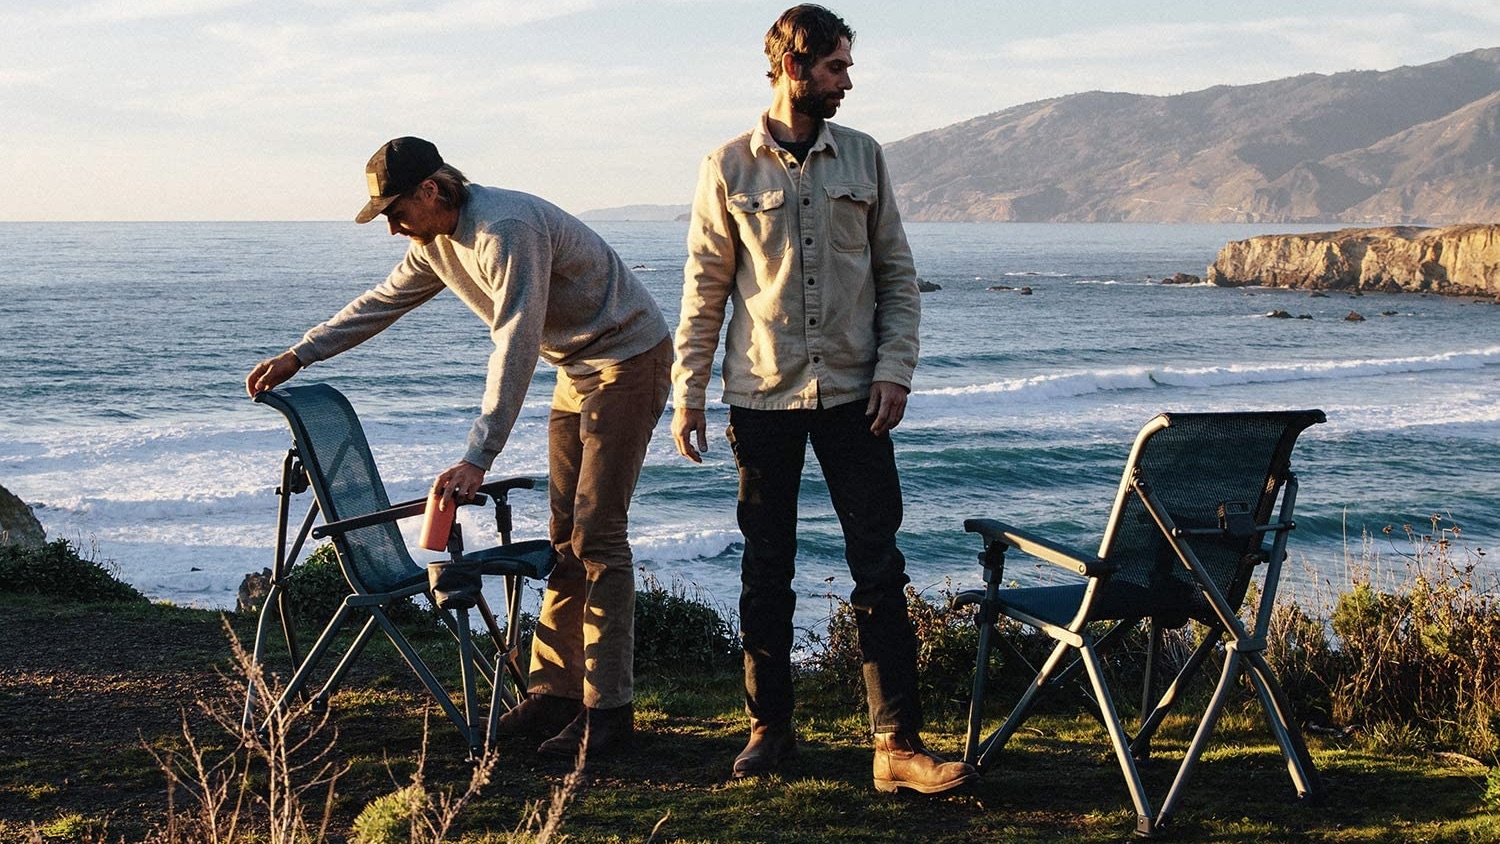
761, 219
849, 216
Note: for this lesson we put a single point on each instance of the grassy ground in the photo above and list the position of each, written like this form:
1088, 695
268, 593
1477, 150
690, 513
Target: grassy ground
85, 691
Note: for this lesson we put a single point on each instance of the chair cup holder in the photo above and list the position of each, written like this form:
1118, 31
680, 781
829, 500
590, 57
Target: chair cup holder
455, 585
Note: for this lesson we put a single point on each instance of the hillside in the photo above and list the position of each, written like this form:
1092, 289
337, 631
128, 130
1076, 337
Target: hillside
1414, 144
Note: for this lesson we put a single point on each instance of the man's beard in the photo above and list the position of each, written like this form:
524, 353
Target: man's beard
819, 105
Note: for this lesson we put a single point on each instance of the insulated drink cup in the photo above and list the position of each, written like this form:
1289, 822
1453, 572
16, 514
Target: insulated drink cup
436, 524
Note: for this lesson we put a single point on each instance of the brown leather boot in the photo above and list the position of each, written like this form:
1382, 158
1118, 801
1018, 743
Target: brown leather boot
608, 730
538, 716
902, 761
769, 746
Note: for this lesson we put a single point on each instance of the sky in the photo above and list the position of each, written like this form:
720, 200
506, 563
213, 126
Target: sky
268, 109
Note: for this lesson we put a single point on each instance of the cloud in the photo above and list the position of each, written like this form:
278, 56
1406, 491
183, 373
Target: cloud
23, 77
125, 11
466, 15
597, 102
1191, 41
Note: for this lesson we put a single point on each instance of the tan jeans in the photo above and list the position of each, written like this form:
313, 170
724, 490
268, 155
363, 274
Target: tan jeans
600, 425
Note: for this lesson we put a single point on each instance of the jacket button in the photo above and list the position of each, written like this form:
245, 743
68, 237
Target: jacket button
806, 201
811, 282
813, 321
807, 241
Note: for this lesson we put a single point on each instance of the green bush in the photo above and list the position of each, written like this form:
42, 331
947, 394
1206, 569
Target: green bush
677, 630
1424, 656
1298, 649
317, 587
947, 640
388, 819
57, 570
1492, 786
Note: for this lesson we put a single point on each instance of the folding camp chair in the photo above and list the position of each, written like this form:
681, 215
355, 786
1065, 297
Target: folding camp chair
1188, 531
330, 455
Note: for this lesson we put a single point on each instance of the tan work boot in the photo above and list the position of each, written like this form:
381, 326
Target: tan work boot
539, 716
608, 730
769, 746
901, 761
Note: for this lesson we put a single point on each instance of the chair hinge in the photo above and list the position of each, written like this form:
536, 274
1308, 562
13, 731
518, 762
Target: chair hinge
1250, 645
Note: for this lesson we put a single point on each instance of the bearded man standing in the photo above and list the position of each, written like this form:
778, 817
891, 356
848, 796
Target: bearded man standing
795, 224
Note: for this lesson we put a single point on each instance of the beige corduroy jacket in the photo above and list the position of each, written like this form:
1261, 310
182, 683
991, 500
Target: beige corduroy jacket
815, 261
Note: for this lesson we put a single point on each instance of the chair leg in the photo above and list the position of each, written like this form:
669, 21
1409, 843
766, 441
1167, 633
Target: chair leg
1144, 823
288, 624
254, 681
466, 658
1284, 727
418, 667
1154, 636
1141, 747
508, 682
1102, 644
518, 676
1200, 738
336, 679
1022, 709
976, 699
304, 671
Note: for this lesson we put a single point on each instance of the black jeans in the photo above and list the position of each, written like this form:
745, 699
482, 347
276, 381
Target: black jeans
860, 469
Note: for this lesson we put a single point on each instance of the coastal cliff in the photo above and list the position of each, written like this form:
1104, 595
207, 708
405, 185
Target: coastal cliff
1452, 260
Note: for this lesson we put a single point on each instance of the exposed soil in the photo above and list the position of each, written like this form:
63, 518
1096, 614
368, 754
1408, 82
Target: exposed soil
84, 694
81, 688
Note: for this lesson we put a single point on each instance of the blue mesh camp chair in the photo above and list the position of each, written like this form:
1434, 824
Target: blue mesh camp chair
1193, 521
330, 455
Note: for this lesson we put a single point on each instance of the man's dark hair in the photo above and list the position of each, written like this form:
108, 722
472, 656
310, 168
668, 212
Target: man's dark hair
806, 33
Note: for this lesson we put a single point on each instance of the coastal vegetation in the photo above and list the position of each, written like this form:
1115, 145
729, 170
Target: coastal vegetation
120, 722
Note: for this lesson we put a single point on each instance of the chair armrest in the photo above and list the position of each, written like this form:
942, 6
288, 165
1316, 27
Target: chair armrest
993, 531
966, 598
418, 506
501, 487
393, 513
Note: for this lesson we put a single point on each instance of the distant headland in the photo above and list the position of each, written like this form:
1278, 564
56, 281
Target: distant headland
1459, 260
637, 214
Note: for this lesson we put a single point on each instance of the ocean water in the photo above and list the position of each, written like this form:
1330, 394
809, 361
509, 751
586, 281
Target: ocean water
123, 418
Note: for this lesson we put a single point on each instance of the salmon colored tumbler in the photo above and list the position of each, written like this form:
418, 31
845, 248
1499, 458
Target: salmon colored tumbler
436, 523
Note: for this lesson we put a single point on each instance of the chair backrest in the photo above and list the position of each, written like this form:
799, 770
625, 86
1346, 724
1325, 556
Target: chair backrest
1194, 464
332, 447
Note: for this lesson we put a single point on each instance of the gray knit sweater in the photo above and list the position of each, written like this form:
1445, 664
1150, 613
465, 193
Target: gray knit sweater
542, 281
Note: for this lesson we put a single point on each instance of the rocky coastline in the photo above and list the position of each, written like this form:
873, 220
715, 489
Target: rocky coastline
18, 525
1462, 260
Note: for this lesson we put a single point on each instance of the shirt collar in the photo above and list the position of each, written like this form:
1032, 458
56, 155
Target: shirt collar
761, 139
467, 227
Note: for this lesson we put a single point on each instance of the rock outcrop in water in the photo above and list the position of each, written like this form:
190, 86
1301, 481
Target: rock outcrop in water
1453, 260
18, 525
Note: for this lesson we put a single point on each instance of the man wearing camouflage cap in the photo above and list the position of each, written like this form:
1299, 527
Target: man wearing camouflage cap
544, 284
